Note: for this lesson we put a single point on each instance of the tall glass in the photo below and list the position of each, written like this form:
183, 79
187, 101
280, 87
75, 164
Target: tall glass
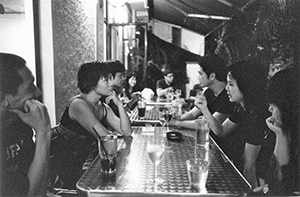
164, 117
141, 108
108, 151
167, 116
202, 133
155, 151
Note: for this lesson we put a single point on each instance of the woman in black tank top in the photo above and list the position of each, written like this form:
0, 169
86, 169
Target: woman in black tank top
83, 115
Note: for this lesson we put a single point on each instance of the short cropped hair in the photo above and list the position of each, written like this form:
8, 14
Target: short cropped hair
10, 78
115, 66
89, 74
214, 64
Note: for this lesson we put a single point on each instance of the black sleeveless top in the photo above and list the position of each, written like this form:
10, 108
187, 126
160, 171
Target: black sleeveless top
74, 126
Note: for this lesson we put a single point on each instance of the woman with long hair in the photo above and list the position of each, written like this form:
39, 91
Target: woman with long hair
283, 98
131, 91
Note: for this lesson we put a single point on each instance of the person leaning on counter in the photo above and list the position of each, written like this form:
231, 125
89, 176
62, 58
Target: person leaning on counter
85, 114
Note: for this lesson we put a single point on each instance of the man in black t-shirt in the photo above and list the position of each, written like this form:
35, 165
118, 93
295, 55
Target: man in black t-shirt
24, 154
212, 77
165, 85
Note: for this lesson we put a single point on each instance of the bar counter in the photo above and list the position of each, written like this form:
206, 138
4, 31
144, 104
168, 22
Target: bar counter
134, 170
151, 116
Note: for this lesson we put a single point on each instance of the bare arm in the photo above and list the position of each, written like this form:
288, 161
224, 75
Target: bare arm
37, 117
219, 123
161, 92
189, 124
192, 114
250, 156
122, 124
281, 150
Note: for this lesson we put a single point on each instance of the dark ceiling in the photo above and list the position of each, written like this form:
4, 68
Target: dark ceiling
177, 12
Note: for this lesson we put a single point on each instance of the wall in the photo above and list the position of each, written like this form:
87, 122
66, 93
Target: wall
74, 42
12, 41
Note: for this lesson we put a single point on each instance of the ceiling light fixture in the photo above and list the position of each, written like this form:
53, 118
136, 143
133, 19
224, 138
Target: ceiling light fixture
208, 16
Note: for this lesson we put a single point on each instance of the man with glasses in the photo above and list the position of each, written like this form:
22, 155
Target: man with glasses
165, 85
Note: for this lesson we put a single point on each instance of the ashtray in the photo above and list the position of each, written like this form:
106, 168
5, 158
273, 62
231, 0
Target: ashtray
174, 136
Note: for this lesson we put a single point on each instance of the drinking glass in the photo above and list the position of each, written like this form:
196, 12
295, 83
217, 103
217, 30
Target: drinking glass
197, 172
167, 116
108, 152
141, 109
164, 121
202, 133
155, 151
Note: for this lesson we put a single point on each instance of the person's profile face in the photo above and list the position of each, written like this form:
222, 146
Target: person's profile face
119, 79
132, 81
26, 90
169, 77
104, 86
233, 91
203, 78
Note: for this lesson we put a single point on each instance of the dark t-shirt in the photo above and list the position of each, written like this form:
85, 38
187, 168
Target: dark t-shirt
163, 85
218, 103
254, 130
17, 152
251, 123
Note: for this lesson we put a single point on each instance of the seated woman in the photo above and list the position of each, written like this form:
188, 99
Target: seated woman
283, 96
131, 91
246, 82
85, 114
